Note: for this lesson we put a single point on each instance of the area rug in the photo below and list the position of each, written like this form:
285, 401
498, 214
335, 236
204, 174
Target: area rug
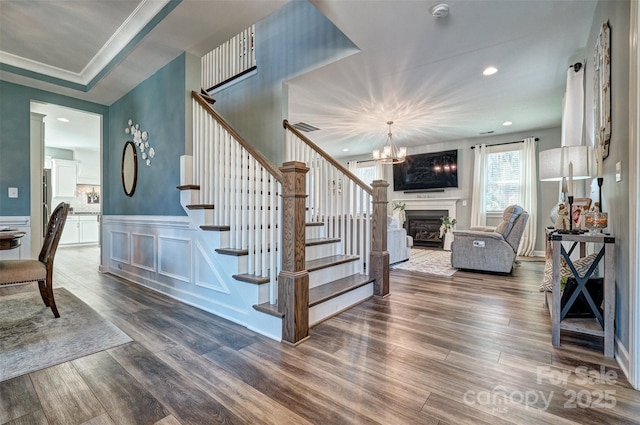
32, 339
428, 261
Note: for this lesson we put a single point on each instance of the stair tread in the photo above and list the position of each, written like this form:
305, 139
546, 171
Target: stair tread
322, 263
188, 187
200, 206
314, 223
251, 278
329, 290
267, 308
320, 241
213, 227
232, 251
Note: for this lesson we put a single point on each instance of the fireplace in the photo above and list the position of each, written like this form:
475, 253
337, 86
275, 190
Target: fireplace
424, 227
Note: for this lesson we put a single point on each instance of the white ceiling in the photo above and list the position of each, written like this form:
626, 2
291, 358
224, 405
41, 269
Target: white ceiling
422, 73
82, 131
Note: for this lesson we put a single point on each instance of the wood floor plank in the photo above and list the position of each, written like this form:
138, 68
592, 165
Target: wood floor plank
17, 398
243, 400
102, 420
185, 400
66, 399
310, 404
120, 394
33, 418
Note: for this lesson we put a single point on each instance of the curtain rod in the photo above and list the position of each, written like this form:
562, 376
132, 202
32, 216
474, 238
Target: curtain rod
506, 143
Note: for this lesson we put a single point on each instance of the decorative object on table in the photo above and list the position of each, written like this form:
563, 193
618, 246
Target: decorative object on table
562, 219
446, 231
141, 141
602, 90
578, 206
596, 220
390, 153
398, 210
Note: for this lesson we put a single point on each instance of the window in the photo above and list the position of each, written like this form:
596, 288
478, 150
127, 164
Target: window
366, 173
503, 180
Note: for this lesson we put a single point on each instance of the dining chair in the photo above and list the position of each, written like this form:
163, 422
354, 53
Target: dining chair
14, 272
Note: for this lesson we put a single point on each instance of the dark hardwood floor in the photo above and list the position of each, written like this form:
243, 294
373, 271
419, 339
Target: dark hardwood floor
466, 349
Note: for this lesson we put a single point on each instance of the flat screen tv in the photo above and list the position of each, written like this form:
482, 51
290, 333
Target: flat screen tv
436, 170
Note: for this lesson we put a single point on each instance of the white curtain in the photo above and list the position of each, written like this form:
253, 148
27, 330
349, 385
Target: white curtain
478, 211
529, 196
573, 108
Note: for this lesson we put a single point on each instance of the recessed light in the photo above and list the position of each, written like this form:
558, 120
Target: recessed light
507, 123
63, 119
490, 70
345, 150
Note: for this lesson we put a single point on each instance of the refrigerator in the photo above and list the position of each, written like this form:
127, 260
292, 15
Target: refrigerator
46, 199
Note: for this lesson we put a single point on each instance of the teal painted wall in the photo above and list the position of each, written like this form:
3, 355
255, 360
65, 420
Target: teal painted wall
615, 195
15, 104
158, 105
295, 39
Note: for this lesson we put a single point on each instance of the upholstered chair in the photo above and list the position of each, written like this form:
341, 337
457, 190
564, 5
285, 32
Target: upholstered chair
490, 249
13, 272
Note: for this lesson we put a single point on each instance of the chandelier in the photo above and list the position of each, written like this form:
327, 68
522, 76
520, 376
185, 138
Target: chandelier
390, 153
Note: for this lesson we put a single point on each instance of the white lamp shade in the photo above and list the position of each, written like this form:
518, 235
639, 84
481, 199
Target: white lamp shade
553, 164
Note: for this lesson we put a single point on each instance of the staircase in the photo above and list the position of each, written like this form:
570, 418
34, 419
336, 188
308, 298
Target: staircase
246, 209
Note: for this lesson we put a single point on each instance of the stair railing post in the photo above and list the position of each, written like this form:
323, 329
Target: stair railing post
379, 257
293, 279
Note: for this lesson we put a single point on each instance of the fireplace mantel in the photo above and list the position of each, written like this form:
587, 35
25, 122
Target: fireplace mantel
426, 204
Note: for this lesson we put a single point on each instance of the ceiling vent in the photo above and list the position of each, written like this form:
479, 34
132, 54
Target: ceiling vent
303, 126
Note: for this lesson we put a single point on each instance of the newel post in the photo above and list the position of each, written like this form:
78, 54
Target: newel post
379, 257
293, 280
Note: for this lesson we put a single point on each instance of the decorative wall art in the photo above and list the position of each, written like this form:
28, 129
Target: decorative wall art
141, 141
602, 90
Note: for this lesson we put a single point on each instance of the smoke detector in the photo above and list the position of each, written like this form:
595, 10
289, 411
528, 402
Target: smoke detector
440, 10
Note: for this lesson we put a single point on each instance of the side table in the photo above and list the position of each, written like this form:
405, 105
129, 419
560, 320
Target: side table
601, 325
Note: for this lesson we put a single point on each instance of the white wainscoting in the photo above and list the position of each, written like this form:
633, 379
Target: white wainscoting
23, 223
170, 256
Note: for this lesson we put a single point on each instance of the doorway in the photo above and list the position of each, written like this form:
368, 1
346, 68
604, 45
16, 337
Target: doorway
67, 168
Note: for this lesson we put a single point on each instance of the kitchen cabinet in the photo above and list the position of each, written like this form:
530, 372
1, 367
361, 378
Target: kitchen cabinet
64, 176
81, 229
88, 166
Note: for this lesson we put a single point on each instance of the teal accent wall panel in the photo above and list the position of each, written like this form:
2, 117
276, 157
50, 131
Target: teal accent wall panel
158, 106
15, 171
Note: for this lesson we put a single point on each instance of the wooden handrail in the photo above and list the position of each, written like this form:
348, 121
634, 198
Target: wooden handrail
272, 169
328, 157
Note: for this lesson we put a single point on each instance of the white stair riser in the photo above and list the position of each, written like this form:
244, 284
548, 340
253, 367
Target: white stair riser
322, 276
329, 308
189, 197
314, 232
314, 252
200, 217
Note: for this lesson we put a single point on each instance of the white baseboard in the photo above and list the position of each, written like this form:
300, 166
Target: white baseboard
622, 357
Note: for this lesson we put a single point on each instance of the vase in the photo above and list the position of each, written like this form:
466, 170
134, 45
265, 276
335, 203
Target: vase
448, 239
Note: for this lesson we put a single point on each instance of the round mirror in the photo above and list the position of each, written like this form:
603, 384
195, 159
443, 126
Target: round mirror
129, 168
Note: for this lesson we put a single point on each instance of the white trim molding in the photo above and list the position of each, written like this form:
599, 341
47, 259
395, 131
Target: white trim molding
430, 204
634, 196
170, 255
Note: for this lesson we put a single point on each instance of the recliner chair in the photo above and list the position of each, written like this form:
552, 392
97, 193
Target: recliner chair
488, 249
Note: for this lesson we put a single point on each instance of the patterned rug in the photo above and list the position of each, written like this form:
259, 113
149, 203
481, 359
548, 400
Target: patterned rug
428, 261
32, 339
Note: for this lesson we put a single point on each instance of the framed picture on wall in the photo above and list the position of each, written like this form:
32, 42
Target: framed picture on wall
602, 90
